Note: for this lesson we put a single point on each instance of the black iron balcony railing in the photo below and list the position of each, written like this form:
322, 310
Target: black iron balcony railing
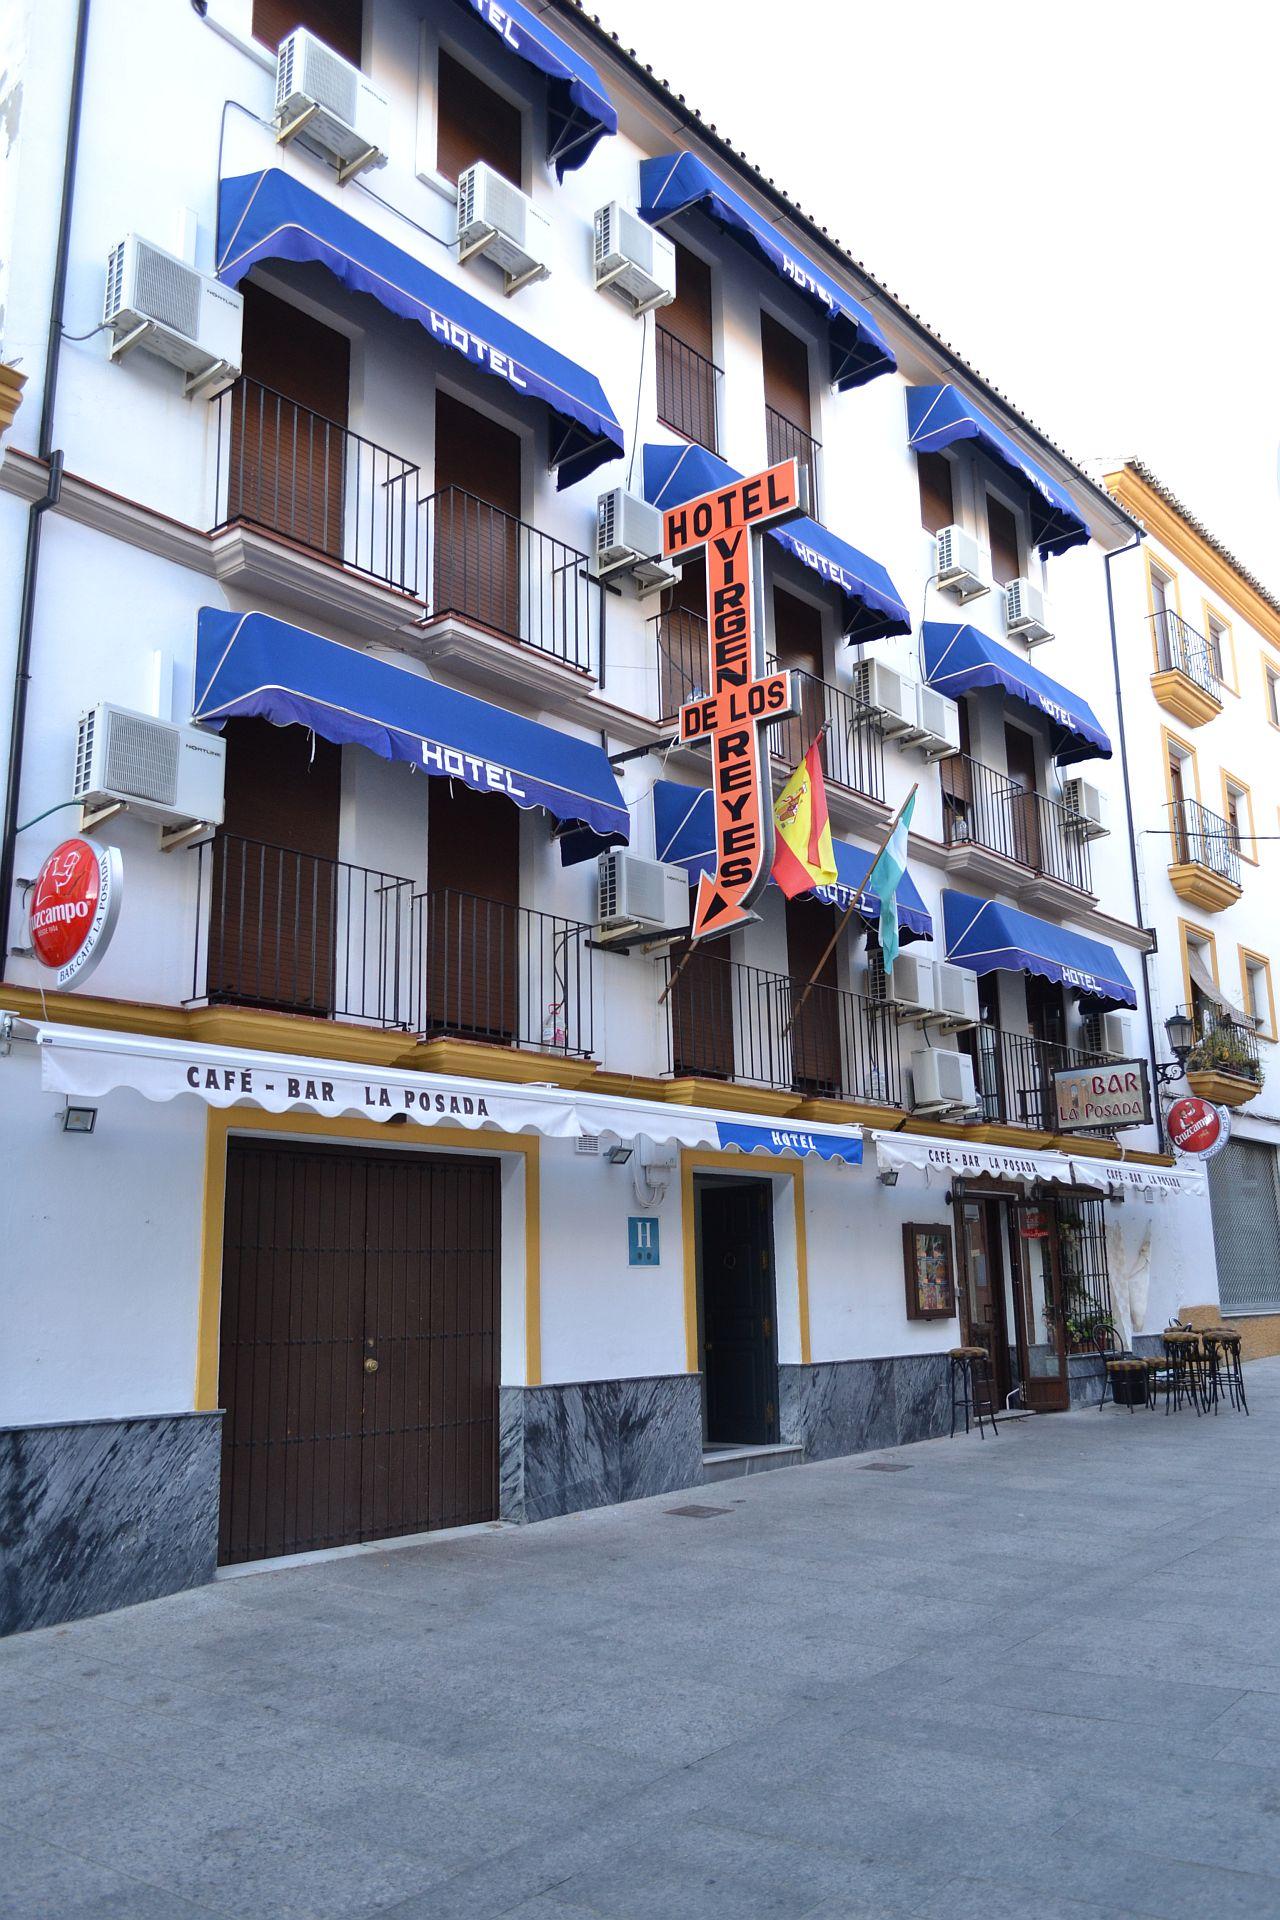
1223, 1044
290, 472
510, 975
1204, 838
984, 808
727, 1021
299, 933
688, 384
487, 567
1180, 648
1013, 1076
784, 440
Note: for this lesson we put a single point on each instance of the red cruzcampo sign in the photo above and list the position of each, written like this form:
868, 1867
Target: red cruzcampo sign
1197, 1126
73, 907
743, 698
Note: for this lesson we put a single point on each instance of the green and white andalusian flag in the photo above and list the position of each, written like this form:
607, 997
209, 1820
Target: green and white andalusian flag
884, 878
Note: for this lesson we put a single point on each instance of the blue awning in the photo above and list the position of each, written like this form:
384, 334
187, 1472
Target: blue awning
959, 658
675, 182
989, 937
251, 663
580, 110
684, 834
673, 474
271, 216
939, 416
748, 1138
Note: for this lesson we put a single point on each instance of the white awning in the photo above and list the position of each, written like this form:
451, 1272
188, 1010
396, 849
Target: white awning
939, 1161
1160, 1183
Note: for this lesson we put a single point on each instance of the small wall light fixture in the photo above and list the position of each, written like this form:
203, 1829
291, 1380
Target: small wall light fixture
78, 1119
618, 1155
888, 1177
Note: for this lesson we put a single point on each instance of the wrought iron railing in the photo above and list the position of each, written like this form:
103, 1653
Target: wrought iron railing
290, 472
485, 566
1223, 1044
1180, 648
510, 975
784, 440
1204, 838
299, 933
1013, 1075
985, 808
688, 384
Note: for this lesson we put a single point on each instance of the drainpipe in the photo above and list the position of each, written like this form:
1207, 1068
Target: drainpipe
35, 520
1129, 547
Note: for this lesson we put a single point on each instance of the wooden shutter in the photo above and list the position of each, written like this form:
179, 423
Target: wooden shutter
476, 522
287, 452
937, 497
1002, 535
685, 342
786, 372
815, 1028
475, 123
701, 1004
1020, 759
797, 643
473, 952
339, 23
688, 316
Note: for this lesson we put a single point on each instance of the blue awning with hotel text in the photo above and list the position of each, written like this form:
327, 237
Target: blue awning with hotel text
989, 937
959, 658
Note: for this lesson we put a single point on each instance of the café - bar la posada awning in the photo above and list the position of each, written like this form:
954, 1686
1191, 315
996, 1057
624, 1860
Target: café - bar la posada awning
989, 937
272, 216
938, 417
579, 111
675, 182
85, 1063
254, 664
959, 658
683, 825
874, 609
937, 1162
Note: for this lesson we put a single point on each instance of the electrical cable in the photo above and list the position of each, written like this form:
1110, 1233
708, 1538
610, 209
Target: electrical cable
103, 326
635, 428
45, 815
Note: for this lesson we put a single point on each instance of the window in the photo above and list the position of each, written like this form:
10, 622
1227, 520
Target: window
1200, 974
1272, 683
339, 23
1163, 617
687, 374
1259, 1000
1237, 807
475, 123
1002, 538
1180, 771
1215, 633
937, 496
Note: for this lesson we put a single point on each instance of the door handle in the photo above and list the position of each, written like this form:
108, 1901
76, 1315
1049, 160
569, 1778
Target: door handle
370, 1364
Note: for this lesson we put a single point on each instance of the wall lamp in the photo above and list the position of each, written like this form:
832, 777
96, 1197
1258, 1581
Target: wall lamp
888, 1177
1181, 1030
78, 1119
618, 1156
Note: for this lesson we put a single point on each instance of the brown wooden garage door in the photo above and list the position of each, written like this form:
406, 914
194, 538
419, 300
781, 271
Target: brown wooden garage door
359, 1346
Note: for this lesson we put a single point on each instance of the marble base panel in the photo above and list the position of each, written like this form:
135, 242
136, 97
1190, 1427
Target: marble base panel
852, 1406
595, 1442
105, 1513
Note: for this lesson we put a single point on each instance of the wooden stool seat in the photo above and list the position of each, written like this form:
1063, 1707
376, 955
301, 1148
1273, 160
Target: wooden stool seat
968, 1353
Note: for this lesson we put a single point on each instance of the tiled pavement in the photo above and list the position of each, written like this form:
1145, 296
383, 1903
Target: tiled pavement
1033, 1675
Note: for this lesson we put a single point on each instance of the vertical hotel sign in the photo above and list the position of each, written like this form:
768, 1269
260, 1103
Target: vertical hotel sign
744, 698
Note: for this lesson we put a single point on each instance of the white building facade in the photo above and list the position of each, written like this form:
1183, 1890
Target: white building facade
426, 1186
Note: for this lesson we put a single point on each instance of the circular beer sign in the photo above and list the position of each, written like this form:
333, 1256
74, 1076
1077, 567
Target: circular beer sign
1197, 1126
73, 908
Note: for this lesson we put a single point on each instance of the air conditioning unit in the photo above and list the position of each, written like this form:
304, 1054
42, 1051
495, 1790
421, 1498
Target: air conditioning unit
941, 1081
323, 96
910, 989
160, 771
1024, 613
955, 994
629, 539
1105, 1033
1086, 809
635, 894
633, 258
497, 220
938, 724
960, 564
889, 695
157, 302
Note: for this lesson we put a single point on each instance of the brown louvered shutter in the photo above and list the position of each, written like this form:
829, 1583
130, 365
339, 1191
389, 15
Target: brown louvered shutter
786, 372
797, 643
683, 665
475, 526
685, 353
475, 123
815, 1029
701, 1004
1002, 536
473, 922
937, 499
339, 23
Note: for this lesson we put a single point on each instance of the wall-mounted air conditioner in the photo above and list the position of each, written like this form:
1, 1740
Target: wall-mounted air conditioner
330, 103
955, 993
635, 895
941, 1081
887, 694
629, 540
160, 771
156, 302
937, 723
497, 220
1105, 1033
1024, 613
960, 564
908, 990
1086, 809
632, 258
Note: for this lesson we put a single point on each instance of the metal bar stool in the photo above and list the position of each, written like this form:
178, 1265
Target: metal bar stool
971, 1385
1223, 1361
1182, 1349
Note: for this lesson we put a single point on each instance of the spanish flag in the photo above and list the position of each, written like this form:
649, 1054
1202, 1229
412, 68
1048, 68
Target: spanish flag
803, 857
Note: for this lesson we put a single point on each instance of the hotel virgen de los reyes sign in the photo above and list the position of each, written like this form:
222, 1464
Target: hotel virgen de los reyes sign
743, 698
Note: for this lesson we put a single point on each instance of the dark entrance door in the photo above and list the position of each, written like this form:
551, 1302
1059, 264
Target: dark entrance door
473, 962
737, 1313
359, 1346
797, 643
1020, 758
1038, 1303
288, 425
984, 1319
477, 518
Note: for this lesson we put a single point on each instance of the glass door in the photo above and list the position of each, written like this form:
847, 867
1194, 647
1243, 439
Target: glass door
982, 1273
1038, 1305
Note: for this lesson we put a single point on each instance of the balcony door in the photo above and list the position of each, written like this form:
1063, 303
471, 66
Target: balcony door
788, 415
472, 932
797, 643
476, 528
287, 449
686, 369
815, 1025
1020, 758
274, 906
683, 668
701, 1003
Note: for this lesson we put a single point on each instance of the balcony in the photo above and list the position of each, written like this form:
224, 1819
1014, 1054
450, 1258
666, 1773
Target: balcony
1187, 682
688, 384
291, 932
852, 747
1013, 1075
1224, 1063
989, 819
784, 440
1205, 868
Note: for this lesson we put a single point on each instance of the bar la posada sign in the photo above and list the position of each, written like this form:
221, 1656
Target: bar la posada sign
1115, 1095
743, 697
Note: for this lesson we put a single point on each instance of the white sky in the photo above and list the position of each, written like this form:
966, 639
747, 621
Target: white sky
1081, 197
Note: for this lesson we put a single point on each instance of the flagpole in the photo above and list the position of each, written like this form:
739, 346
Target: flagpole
849, 911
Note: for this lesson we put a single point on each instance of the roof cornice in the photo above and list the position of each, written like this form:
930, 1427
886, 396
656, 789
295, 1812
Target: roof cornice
1169, 522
